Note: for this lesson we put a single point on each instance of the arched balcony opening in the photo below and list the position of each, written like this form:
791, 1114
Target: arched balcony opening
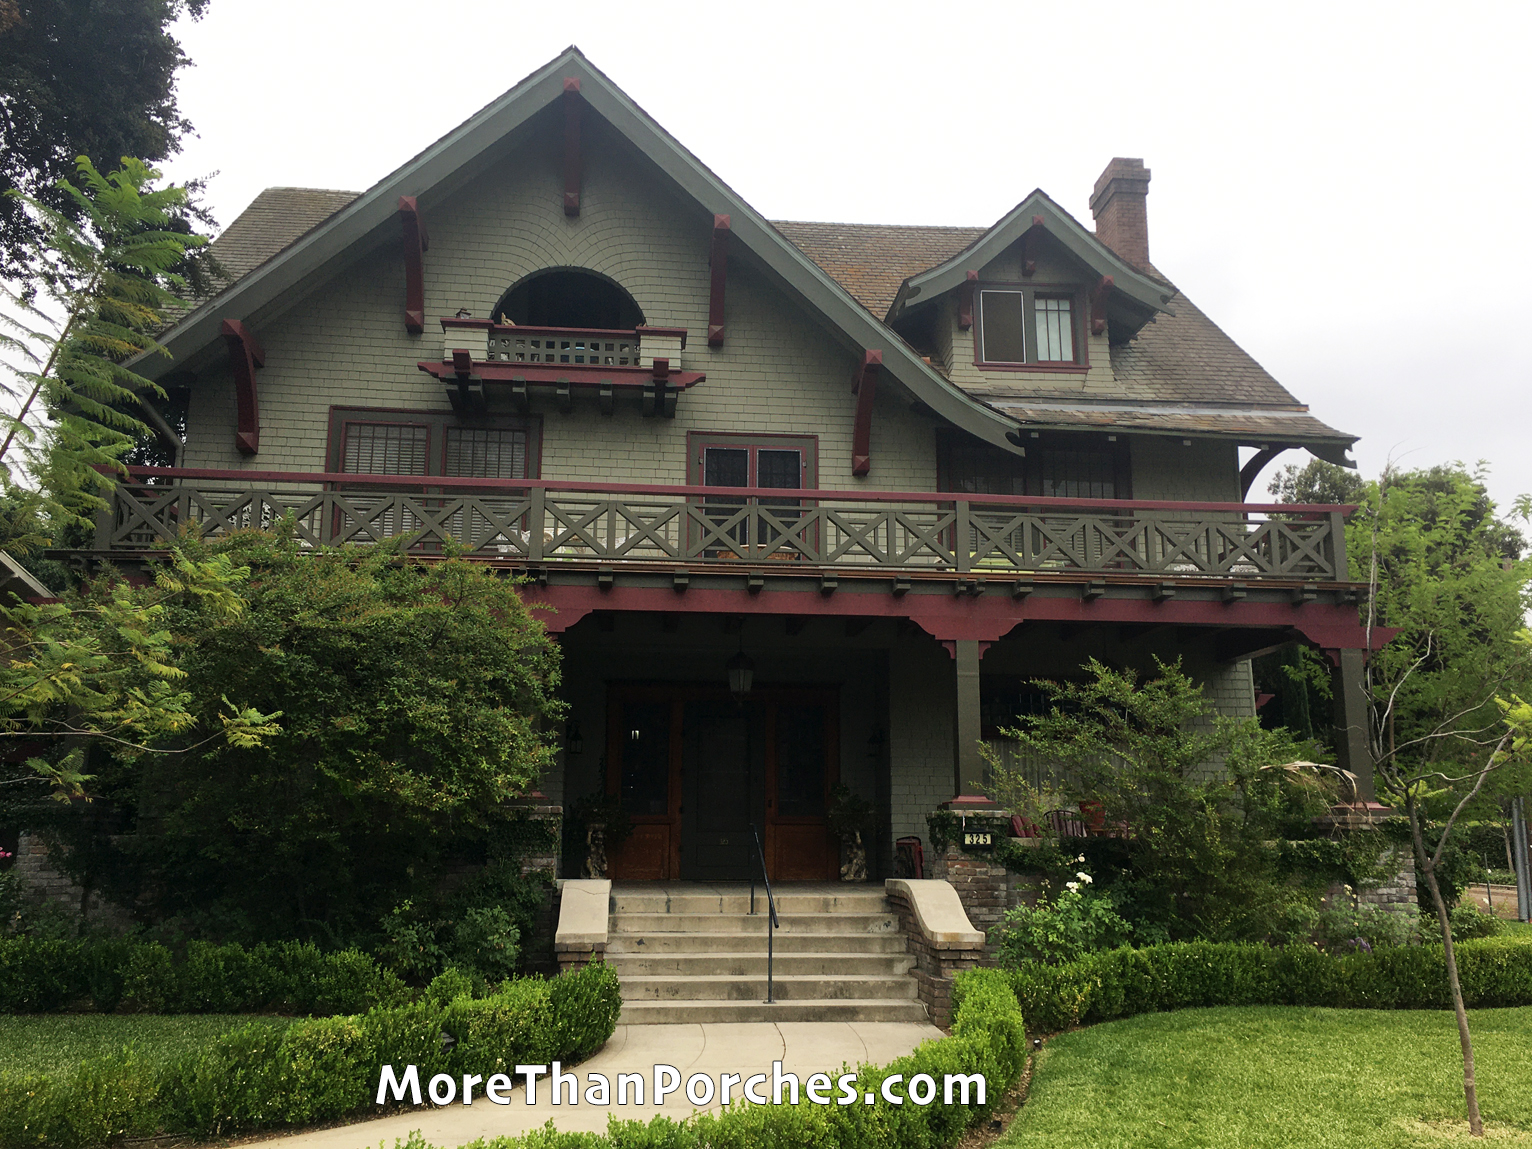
569, 297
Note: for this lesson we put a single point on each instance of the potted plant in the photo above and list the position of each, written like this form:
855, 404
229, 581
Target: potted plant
604, 825
850, 816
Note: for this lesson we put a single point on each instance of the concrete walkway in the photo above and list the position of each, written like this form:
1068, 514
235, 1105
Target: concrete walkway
713, 1049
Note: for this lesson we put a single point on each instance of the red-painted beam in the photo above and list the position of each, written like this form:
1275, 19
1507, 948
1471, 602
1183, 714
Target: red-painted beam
954, 618
965, 300
245, 355
720, 271
508, 371
865, 388
416, 244
1098, 305
572, 168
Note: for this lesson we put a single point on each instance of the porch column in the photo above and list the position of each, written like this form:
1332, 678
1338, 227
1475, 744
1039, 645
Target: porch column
968, 764
1353, 750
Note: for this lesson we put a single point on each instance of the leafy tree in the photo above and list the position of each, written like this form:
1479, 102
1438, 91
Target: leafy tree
81, 77
1202, 859
412, 697
109, 277
1317, 482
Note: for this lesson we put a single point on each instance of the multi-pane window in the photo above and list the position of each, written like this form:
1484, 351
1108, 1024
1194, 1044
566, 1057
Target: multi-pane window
1021, 326
378, 442
486, 452
385, 448
780, 462
1056, 466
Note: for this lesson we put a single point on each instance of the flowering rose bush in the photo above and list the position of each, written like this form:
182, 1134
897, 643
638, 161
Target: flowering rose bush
1076, 922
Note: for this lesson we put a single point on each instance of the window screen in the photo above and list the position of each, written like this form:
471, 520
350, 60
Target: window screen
385, 449
1055, 330
726, 467
1002, 327
779, 468
486, 453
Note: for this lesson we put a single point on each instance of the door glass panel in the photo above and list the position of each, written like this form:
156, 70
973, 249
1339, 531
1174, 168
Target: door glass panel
780, 468
801, 760
646, 758
726, 467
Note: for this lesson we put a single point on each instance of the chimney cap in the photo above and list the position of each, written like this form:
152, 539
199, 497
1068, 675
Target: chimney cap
1122, 174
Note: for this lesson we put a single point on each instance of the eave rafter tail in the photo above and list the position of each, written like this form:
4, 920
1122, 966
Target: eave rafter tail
416, 244
245, 356
865, 387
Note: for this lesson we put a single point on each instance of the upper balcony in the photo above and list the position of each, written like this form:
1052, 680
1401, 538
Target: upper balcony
540, 523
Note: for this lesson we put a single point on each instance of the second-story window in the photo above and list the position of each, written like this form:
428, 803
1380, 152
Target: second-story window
365, 441
1027, 326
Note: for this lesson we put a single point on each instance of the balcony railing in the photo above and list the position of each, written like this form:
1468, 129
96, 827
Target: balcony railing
562, 522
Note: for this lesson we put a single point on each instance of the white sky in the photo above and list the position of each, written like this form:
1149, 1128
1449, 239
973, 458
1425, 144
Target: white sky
1340, 185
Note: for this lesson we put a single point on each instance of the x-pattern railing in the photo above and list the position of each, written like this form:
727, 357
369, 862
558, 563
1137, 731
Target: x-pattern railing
540, 521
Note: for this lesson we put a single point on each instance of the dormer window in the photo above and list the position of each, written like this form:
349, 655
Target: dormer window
1027, 327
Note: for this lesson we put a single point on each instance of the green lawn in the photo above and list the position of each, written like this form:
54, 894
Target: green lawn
1277, 1076
48, 1043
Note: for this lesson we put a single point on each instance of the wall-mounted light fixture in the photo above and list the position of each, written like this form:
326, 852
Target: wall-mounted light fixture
573, 742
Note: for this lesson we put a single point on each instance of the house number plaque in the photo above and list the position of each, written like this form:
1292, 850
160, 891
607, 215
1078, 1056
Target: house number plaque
978, 841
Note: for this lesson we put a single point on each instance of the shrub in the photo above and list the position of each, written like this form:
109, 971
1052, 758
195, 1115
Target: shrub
318, 1069
1077, 922
1469, 921
1343, 927
43, 976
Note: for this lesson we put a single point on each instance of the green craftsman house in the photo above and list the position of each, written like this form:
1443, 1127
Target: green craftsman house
811, 503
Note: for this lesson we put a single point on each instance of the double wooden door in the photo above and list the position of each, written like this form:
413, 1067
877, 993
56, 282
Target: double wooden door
701, 773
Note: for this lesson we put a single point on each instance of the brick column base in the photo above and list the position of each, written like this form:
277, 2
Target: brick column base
935, 966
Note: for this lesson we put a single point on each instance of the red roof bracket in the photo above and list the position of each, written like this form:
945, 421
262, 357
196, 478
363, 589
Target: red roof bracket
865, 387
1098, 305
965, 300
415, 246
720, 270
572, 169
245, 355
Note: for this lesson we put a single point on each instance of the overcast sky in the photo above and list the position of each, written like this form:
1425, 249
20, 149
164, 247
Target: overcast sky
1341, 186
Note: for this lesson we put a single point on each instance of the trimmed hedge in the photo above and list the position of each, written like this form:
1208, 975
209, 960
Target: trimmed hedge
987, 1037
317, 1069
1125, 982
289, 977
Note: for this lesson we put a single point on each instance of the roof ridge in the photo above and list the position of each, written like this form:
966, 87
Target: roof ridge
909, 226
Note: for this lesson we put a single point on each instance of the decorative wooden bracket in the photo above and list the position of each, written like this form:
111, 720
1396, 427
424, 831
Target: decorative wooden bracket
1028, 264
660, 399
465, 390
965, 301
1098, 305
415, 246
865, 388
245, 355
572, 170
1252, 470
720, 267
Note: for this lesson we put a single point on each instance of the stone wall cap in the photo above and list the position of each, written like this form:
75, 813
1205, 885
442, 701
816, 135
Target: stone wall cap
938, 911
583, 914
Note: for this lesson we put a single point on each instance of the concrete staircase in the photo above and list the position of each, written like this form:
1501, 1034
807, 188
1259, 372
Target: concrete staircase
692, 952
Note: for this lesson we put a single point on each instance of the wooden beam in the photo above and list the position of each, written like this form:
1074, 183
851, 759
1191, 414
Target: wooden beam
572, 169
1098, 305
865, 388
416, 244
965, 300
1252, 470
245, 355
720, 273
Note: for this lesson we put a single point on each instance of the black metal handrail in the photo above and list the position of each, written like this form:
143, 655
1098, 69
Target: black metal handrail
773, 924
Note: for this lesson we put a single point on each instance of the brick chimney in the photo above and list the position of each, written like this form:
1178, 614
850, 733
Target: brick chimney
1119, 207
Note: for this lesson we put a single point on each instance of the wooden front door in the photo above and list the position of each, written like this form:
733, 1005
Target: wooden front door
697, 771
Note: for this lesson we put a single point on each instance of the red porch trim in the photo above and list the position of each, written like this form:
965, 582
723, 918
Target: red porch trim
245, 355
955, 618
500, 371
416, 243
865, 388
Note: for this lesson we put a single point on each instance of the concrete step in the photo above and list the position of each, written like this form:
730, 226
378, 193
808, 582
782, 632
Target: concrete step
792, 987
754, 941
699, 1012
753, 964
855, 900
795, 923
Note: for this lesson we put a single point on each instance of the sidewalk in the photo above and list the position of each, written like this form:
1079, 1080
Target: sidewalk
802, 1047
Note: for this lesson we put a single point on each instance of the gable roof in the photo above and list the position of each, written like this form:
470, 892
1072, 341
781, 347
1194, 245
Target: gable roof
371, 219
1179, 374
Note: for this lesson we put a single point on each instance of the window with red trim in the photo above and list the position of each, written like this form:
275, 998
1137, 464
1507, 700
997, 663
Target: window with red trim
365, 441
1027, 326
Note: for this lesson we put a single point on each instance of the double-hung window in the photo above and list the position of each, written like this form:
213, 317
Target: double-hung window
1028, 327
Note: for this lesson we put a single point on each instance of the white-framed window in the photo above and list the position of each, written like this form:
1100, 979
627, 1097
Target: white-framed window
1027, 326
